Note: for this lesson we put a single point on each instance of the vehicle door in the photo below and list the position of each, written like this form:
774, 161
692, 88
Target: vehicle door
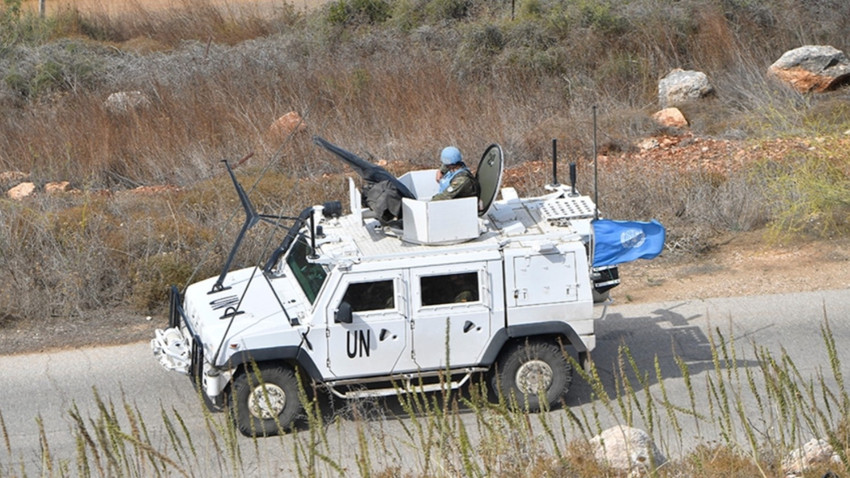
450, 307
539, 279
366, 324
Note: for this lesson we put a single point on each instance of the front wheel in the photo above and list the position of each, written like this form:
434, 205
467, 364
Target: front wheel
265, 402
530, 371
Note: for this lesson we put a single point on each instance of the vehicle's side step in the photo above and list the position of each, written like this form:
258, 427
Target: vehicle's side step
403, 383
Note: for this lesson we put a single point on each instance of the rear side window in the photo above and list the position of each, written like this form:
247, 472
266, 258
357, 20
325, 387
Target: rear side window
449, 288
377, 295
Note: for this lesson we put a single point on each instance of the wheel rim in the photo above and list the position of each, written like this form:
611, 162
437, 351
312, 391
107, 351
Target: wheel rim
534, 376
266, 402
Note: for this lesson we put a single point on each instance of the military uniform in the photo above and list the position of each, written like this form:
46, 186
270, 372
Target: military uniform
462, 184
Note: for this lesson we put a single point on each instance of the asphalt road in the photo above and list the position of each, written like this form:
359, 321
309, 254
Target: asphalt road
37, 392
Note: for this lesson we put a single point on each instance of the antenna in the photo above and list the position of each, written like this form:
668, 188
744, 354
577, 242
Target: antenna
251, 219
555, 182
595, 170
573, 176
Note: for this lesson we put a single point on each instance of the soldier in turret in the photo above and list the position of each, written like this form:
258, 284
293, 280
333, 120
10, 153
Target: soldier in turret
456, 180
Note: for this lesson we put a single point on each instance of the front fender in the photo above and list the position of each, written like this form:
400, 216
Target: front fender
288, 353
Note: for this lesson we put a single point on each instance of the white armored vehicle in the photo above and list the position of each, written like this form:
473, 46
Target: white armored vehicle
366, 305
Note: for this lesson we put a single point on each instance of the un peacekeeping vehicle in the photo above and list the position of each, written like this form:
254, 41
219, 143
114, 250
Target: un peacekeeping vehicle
372, 302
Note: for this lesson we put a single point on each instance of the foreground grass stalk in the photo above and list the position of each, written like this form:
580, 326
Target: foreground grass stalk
510, 442
46, 457
686, 376
5, 435
550, 434
669, 408
364, 463
84, 437
464, 445
647, 411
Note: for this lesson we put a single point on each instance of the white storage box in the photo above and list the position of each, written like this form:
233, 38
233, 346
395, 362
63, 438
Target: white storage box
440, 222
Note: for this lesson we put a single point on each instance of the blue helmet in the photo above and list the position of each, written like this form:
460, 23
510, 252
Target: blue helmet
450, 155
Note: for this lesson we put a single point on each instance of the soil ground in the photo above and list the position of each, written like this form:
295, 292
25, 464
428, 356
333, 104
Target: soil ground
740, 264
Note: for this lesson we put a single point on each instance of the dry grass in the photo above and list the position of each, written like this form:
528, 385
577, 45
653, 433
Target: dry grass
119, 9
216, 75
397, 88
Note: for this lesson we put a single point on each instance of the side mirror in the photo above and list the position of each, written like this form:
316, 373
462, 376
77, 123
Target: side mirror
343, 313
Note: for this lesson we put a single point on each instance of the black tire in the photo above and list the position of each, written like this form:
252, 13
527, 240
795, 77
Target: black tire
265, 403
523, 363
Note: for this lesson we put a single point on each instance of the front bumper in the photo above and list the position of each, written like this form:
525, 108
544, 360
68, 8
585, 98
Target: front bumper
176, 348
171, 349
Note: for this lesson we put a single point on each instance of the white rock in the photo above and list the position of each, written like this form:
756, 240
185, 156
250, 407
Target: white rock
56, 187
680, 86
814, 68
814, 452
628, 449
21, 191
125, 101
648, 143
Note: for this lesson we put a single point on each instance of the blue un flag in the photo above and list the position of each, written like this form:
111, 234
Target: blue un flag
626, 241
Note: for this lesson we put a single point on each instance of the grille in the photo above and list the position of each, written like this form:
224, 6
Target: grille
557, 210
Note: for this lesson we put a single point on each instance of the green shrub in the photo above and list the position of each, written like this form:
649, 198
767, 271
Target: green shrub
479, 47
442, 10
407, 15
601, 16
346, 12
810, 191
66, 65
531, 9
153, 276
337, 13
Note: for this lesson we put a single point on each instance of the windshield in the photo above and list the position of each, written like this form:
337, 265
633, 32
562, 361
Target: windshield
310, 276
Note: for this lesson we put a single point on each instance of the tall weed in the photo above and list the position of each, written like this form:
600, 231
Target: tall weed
450, 433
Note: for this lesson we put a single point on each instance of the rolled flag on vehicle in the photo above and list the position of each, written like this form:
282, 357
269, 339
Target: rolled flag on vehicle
625, 241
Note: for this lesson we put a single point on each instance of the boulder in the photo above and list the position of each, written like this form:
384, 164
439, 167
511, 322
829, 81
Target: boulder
648, 143
56, 187
814, 452
8, 178
627, 449
155, 190
671, 117
812, 68
285, 125
125, 101
21, 191
681, 86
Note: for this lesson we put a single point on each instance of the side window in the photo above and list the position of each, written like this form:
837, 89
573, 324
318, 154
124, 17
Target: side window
363, 296
449, 288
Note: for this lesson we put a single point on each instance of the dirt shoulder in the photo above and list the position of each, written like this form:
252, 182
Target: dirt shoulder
741, 264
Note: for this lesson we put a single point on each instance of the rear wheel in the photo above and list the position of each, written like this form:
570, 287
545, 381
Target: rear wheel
531, 374
265, 403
